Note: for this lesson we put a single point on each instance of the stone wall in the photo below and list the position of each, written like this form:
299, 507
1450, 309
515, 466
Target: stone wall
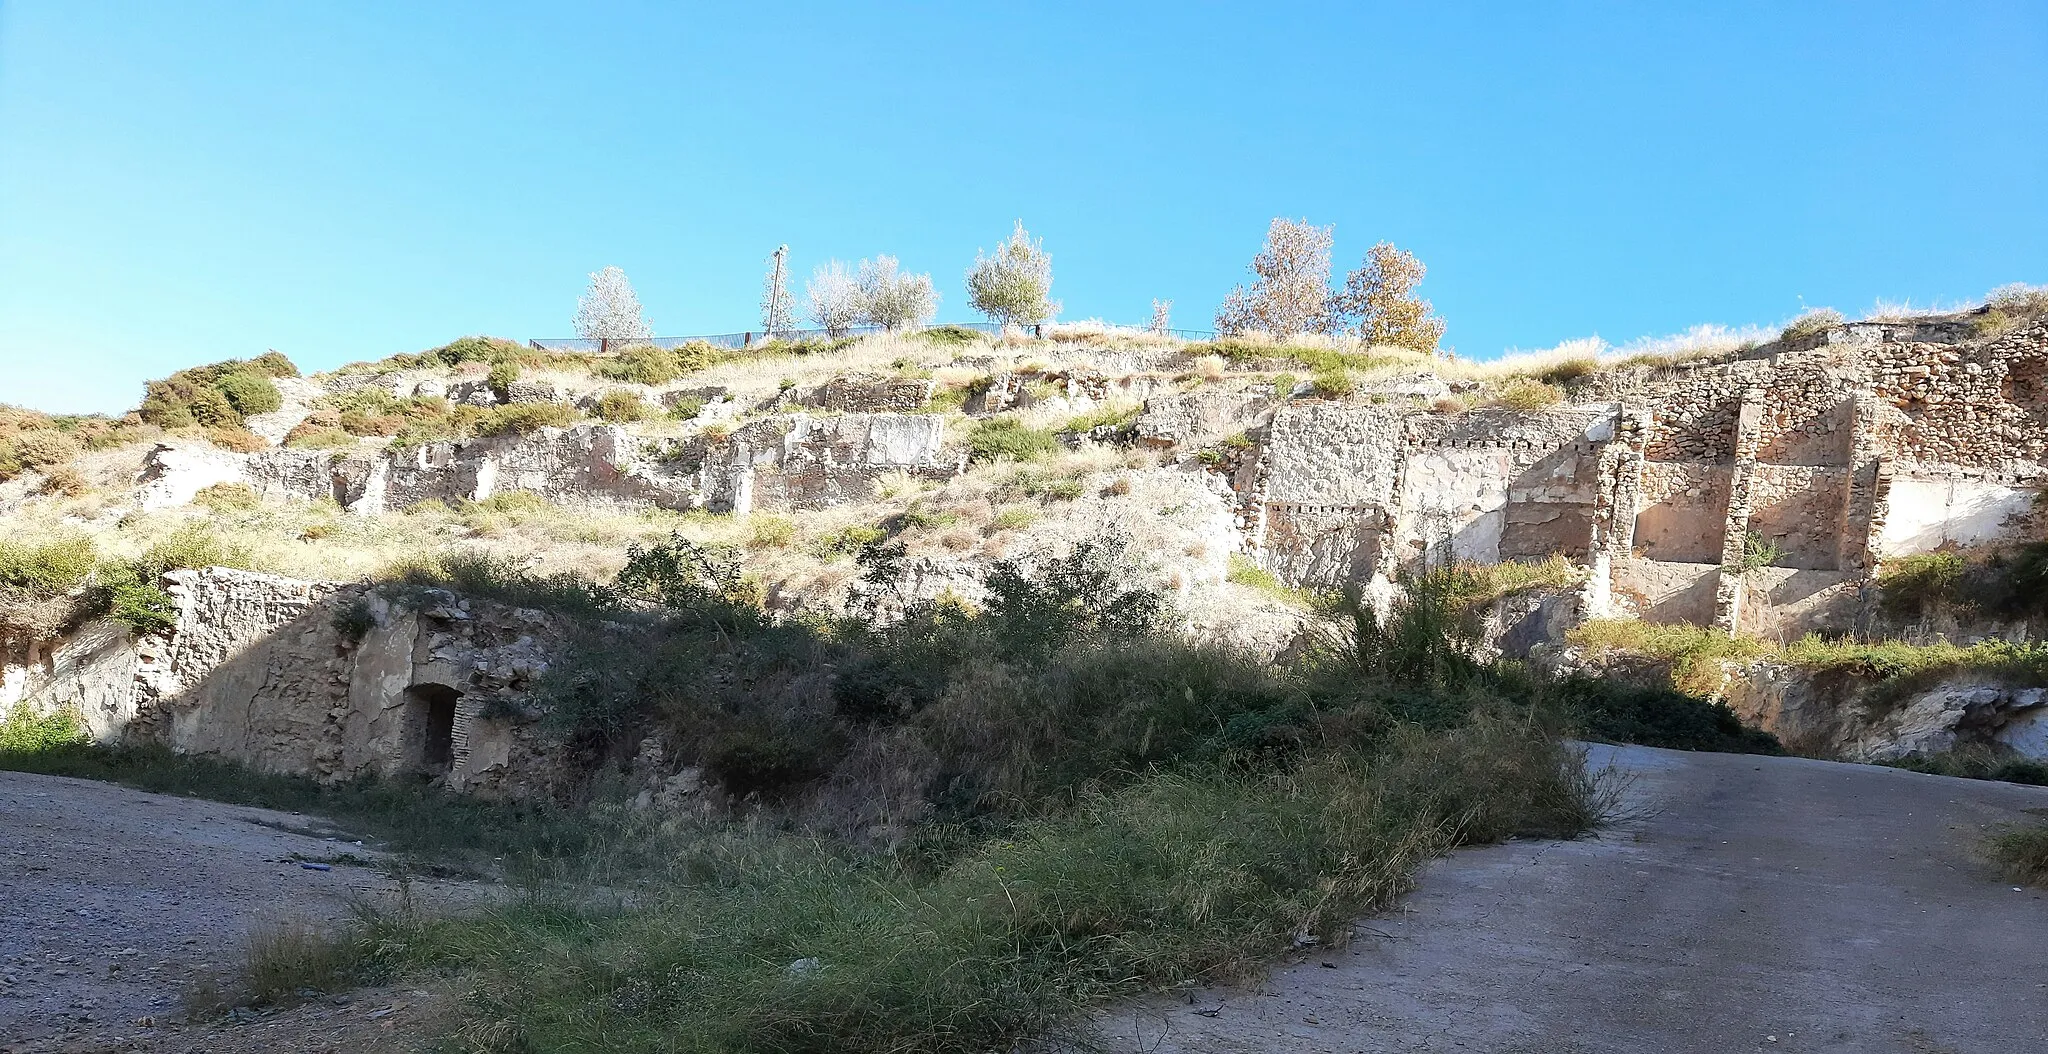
798, 461
1864, 442
314, 679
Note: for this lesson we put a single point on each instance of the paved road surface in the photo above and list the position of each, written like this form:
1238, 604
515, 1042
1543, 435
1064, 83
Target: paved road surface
1753, 904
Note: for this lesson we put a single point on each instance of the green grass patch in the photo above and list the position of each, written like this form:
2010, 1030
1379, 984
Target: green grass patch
2021, 854
1007, 437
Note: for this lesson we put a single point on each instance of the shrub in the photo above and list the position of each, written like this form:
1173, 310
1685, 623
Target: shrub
1911, 586
503, 373
1812, 324
1013, 518
250, 393
65, 480
1759, 552
222, 393
273, 364
846, 541
643, 364
1333, 384
770, 532
2018, 300
47, 568
1008, 437
319, 437
236, 438
24, 733
524, 418
621, 407
354, 620
1525, 394
1284, 385
1572, 369
1103, 417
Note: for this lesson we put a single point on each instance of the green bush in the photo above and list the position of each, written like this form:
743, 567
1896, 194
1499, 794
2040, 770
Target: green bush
1333, 383
621, 407
503, 373
273, 364
227, 497
524, 418
47, 568
1913, 585
949, 336
250, 393
24, 733
216, 395
646, 364
1008, 437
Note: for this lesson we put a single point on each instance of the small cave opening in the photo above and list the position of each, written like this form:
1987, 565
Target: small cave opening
433, 711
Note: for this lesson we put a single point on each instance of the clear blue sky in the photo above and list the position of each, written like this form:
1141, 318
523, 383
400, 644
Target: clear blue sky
184, 182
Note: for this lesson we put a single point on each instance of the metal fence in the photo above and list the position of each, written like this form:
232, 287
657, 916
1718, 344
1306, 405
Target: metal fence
749, 338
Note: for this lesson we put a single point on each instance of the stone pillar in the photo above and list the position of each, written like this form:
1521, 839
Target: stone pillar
1864, 510
1615, 505
1735, 530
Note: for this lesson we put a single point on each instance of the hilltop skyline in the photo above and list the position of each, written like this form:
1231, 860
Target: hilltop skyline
344, 185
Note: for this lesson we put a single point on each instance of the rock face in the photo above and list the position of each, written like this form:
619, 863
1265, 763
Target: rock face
1839, 715
314, 679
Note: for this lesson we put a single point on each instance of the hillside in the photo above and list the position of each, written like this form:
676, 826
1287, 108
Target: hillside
1108, 661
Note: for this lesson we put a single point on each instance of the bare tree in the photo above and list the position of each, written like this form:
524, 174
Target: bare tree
1162, 317
891, 299
1378, 303
835, 301
609, 310
1014, 286
1290, 290
778, 305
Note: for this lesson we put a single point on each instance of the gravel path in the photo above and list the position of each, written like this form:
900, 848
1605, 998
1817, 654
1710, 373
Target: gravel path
1752, 904
113, 901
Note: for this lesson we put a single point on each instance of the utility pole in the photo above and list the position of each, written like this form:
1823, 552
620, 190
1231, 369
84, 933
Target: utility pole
771, 316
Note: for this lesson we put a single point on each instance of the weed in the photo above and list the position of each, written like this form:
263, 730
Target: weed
1811, 324
1013, 518
770, 532
1008, 437
949, 336
1759, 552
1525, 394
2021, 853
227, 497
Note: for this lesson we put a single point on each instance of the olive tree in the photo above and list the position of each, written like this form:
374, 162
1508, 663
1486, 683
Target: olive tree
609, 310
892, 299
1379, 306
834, 300
1014, 286
1290, 290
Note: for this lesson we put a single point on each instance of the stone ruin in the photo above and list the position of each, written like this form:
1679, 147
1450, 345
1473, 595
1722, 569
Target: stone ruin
314, 679
1871, 441
1867, 442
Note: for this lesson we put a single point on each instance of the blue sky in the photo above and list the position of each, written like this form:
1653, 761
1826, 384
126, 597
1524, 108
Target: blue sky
181, 183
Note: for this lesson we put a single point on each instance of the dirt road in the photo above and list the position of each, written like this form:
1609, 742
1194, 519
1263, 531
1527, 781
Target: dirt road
1753, 904
112, 901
